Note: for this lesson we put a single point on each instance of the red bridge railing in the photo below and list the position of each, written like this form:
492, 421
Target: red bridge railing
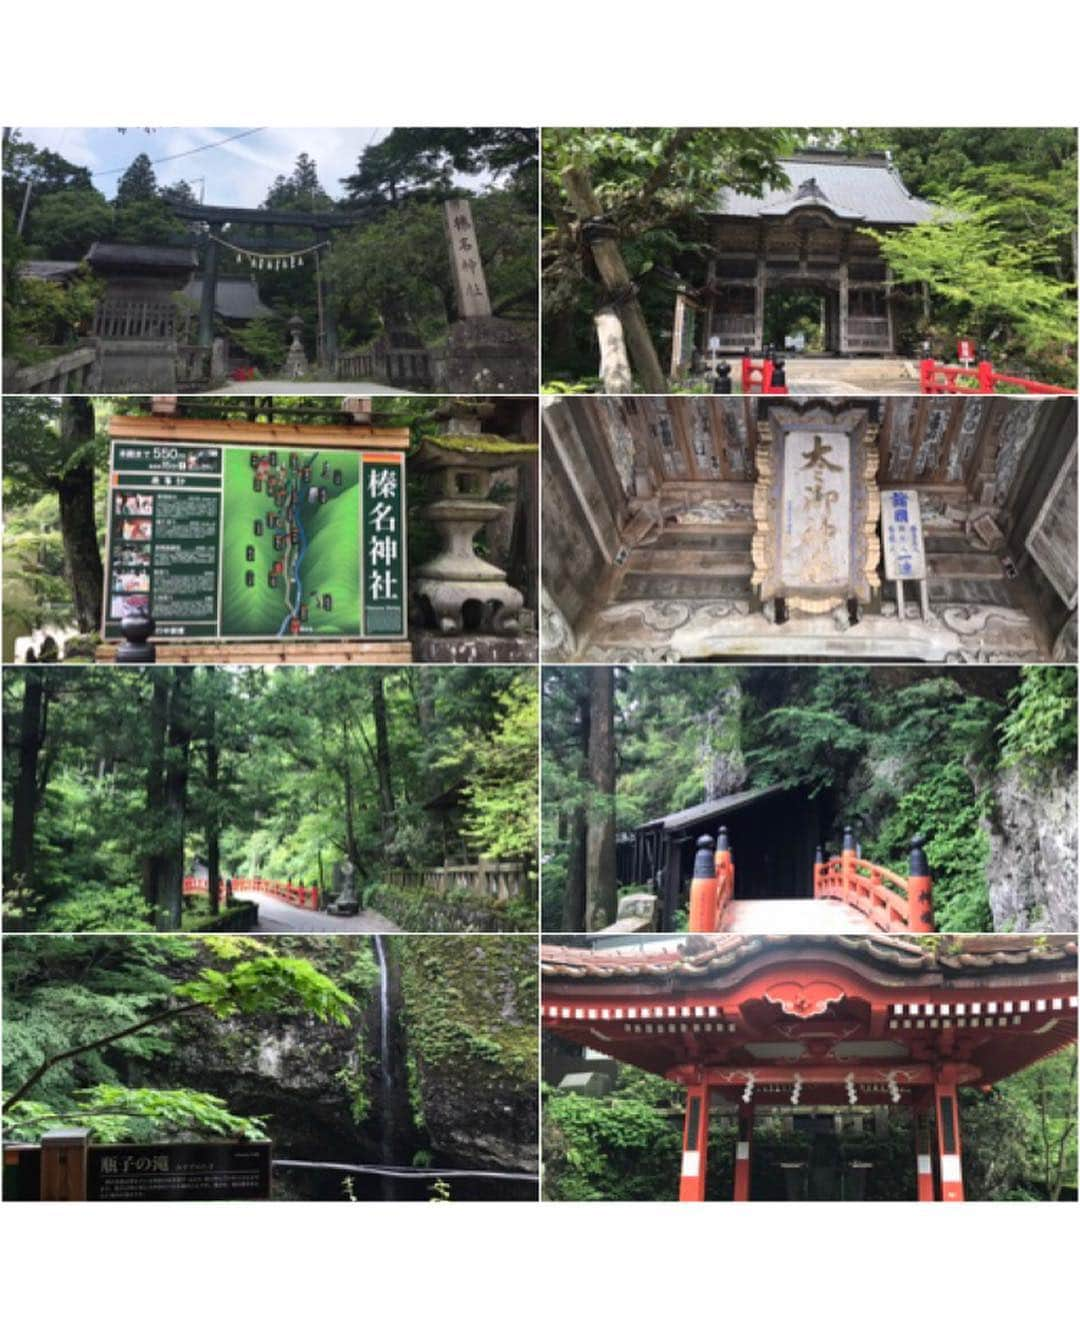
893, 903
304, 898
948, 379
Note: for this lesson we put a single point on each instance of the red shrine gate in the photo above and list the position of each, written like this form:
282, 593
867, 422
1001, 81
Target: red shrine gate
821, 1021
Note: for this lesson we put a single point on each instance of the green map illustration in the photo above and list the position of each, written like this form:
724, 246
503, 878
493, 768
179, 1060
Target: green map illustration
291, 547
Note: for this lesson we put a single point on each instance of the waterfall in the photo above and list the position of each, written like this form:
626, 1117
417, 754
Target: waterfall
386, 1086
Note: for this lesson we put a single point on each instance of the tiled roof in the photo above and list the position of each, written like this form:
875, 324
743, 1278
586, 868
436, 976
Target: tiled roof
711, 808
700, 956
46, 270
236, 297
864, 189
135, 256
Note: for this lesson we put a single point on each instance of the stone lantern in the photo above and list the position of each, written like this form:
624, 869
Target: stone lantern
296, 364
458, 592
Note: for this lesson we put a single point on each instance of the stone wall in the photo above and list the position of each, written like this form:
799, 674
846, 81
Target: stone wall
418, 909
1033, 851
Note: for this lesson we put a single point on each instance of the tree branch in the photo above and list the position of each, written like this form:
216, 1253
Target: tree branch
172, 1013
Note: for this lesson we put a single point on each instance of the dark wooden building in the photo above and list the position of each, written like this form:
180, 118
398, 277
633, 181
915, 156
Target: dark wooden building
773, 832
808, 236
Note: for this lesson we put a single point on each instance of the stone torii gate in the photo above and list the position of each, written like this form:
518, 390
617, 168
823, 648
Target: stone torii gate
821, 1021
321, 223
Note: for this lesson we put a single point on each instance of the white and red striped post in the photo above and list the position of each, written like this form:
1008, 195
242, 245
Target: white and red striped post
924, 1156
695, 1145
744, 1151
946, 1105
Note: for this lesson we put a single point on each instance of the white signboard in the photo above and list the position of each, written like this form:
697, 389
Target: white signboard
902, 536
815, 542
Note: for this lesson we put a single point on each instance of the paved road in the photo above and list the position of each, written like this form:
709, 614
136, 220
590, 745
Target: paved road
796, 916
275, 916
852, 376
285, 387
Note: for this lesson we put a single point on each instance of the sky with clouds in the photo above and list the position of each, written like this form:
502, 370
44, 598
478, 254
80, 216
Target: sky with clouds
236, 174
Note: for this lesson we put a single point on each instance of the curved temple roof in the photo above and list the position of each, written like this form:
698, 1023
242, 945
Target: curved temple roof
863, 188
883, 1012
717, 957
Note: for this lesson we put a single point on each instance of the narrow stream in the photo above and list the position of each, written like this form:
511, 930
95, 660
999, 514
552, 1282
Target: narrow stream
386, 1085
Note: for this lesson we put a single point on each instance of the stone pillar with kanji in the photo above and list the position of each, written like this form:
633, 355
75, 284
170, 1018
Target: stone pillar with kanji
484, 353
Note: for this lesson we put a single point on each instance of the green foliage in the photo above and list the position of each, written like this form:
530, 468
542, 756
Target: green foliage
654, 185
50, 314
290, 796
1040, 730
116, 1114
278, 984
991, 285
624, 1146
472, 1002
503, 787
263, 341
945, 807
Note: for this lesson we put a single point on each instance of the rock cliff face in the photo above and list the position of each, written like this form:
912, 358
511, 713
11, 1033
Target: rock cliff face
1033, 851
462, 1069
470, 1012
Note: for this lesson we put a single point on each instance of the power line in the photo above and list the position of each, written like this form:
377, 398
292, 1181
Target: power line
177, 155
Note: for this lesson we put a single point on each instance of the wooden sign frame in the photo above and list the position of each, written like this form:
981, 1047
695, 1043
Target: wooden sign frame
375, 449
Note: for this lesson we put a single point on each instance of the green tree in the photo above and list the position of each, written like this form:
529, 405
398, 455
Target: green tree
138, 183
55, 446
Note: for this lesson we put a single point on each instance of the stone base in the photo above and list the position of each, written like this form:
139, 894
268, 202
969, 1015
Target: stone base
488, 356
139, 366
431, 646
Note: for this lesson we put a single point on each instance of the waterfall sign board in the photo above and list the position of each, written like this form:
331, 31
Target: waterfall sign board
298, 536
122, 1173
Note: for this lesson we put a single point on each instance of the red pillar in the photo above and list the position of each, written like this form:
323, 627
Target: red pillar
695, 1145
924, 1156
847, 865
948, 1136
703, 889
920, 889
744, 1152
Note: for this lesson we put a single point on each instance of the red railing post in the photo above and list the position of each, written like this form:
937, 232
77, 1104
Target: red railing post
986, 377
820, 871
919, 889
703, 889
725, 877
847, 865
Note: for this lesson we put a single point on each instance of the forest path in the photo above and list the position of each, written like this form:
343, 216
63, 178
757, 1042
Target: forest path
275, 916
796, 916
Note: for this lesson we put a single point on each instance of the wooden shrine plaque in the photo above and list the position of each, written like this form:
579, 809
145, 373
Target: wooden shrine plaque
816, 506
